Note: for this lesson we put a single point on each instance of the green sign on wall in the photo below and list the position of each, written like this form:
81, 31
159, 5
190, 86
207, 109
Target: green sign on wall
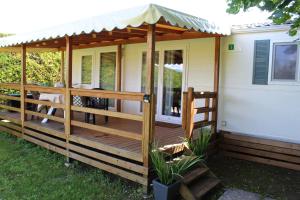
231, 47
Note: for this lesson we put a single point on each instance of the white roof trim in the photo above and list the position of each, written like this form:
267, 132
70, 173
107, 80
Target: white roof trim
260, 29
133, 17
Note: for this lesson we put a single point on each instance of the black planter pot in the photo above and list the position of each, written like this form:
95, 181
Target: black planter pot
166, 192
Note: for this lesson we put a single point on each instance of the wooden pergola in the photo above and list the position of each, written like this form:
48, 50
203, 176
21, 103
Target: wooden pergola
128, 165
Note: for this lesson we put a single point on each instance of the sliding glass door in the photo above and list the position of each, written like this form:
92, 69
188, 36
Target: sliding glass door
172, 83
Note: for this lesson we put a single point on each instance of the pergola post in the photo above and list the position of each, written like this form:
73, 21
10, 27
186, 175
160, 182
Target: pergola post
149, 100
22, 89
216, 83
62, 67
68, 98
119, 75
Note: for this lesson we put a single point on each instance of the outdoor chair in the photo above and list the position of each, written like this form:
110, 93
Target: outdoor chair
91, 102
34, 107
98, 103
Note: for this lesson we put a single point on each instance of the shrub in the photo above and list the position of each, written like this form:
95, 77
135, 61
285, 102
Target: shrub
199, 145
169, 171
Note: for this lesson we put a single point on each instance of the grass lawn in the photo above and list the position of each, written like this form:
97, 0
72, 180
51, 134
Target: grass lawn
266, 180
31, 172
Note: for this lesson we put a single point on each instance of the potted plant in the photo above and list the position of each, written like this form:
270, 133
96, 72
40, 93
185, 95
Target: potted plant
166, 186
199, 145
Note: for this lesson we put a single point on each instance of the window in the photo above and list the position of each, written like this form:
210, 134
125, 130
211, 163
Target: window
285, 62
86, 69
108, 73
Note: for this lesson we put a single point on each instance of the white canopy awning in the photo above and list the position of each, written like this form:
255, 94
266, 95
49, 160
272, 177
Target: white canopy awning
133, 17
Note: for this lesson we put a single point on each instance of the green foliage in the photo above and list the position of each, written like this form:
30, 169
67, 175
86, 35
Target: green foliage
200, 144
169, 171
42, 68
282, 11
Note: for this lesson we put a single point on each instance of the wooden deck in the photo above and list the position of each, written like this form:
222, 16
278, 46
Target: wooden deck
165, 134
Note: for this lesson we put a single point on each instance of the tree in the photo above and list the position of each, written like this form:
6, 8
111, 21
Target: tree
42, 68
282, 11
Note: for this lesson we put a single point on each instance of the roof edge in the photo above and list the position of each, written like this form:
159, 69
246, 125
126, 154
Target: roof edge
260, 28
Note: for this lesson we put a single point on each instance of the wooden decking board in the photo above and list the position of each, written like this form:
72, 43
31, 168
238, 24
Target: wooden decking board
14, 117
107, 148
163, 135
266, 151
45, 145
8, 130
261, 153
262, 147
109, 159
110, 169
262, 141
262, 160
45, 138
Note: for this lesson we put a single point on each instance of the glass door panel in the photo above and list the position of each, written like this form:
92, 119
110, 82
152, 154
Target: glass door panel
172, 83
144, 74
108, 73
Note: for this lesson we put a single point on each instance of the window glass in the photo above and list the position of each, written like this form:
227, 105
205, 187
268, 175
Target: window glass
285, 61
144, 73
172, 85
108, 72
86, 69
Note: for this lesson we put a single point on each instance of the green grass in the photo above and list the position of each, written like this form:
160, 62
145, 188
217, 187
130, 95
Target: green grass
275, 182
31, 172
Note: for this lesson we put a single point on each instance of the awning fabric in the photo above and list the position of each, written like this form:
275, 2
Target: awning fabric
133, 17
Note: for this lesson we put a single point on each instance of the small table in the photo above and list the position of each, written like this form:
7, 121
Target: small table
54, 98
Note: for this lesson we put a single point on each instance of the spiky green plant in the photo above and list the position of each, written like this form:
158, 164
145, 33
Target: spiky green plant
199, 145
169, 171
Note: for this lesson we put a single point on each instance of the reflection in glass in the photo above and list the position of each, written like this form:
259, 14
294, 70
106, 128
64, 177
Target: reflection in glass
86, 69
108, 73
172, 82
285, 61
144, 74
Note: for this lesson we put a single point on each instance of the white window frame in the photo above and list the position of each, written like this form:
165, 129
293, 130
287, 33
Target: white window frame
161, 48
273, 81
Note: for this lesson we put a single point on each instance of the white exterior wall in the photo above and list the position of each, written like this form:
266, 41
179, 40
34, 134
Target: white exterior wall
270, 111
198, 65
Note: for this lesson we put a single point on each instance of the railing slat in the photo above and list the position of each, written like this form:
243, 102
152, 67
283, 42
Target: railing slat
10, 108
47, 103
204, 95
9, 97
107, 113
14, 86
130, 96
110, 131
57, 119
204, 110
203, 123
54, 90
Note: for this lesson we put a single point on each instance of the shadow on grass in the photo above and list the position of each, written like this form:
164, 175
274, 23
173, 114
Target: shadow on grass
266, 180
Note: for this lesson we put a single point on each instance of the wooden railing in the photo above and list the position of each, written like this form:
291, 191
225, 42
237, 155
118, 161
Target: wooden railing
5, 97
51, 90
115, 131
209, 111
129, 164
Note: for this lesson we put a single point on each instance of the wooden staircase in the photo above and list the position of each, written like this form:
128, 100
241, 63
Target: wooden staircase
197, 183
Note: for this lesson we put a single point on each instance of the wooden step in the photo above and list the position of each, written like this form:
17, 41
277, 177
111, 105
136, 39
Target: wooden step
194, 174
203, 186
